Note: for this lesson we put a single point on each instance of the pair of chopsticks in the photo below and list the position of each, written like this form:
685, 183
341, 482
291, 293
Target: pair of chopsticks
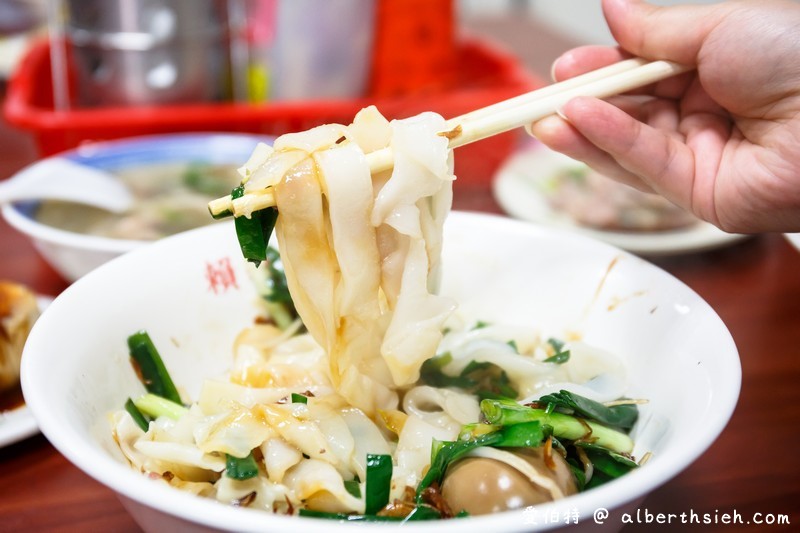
506, 115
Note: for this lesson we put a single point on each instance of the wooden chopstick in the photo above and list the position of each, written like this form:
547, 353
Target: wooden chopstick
504, 116
550, 90
536, 108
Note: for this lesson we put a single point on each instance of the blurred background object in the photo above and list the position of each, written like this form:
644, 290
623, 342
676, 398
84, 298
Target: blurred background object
144, 52
134, 52
18, 16
547, 188
321, 49
541, 30
256, 66
583, 21
415, 47
155, 52
20, 21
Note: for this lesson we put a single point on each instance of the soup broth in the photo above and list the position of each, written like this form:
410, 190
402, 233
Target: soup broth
168, 198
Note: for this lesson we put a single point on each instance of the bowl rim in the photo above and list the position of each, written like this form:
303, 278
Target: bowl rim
210, 513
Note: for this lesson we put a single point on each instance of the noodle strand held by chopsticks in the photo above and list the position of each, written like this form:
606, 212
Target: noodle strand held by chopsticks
361, 251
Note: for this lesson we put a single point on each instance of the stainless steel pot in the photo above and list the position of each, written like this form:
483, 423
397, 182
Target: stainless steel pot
148, 52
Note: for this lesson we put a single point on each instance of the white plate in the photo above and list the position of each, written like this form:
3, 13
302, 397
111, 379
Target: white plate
516, 188
794, 239
18, 423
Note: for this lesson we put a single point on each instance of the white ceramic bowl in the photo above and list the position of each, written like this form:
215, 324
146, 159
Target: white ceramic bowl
678, 352
74, 254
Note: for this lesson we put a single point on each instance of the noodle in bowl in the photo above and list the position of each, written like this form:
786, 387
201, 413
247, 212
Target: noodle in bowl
192, 292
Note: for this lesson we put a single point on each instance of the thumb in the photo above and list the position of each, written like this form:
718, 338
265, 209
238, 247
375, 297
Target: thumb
673, 33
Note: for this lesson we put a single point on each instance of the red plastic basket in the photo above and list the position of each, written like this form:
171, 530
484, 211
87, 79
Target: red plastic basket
485, 74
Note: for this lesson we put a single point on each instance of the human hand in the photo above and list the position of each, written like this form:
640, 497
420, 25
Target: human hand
722, 141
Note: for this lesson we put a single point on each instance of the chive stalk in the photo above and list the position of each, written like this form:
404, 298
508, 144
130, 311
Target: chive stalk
379, 482
241, 468
525, 434
299, 398
507, 413
151, 367
254, 232
156, 406
137, 415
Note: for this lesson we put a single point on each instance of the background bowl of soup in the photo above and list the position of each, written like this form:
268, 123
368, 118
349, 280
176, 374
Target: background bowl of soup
172, 178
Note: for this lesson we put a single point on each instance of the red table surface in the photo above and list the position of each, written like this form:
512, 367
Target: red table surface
752, 468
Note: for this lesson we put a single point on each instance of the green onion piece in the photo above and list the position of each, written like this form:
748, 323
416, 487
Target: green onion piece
448, 452
353, 487
558, 345
431, 373
156, 406
559, 359
137, 415
507, 413
525, 435
299, 398
445, 453
278, 300
379, 482
576, 467
151, 367
561, 355
619, 416
278, 286
607, 464
610, 463
504, 412
483, 379
477, 429
240, 468
254, 232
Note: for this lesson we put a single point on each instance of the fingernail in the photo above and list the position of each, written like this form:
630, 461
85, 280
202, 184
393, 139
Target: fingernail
560, 113
553, 70
560, 58
544, 126
529, 129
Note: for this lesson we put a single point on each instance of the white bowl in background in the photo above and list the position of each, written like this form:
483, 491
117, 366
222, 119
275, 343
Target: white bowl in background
74, 254
678, 353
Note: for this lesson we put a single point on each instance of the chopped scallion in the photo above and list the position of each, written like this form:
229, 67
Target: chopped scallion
151, 367
379, 482
137, 415
240, 468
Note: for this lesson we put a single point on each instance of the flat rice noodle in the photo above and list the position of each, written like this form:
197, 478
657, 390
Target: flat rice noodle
306, 253
359, 251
